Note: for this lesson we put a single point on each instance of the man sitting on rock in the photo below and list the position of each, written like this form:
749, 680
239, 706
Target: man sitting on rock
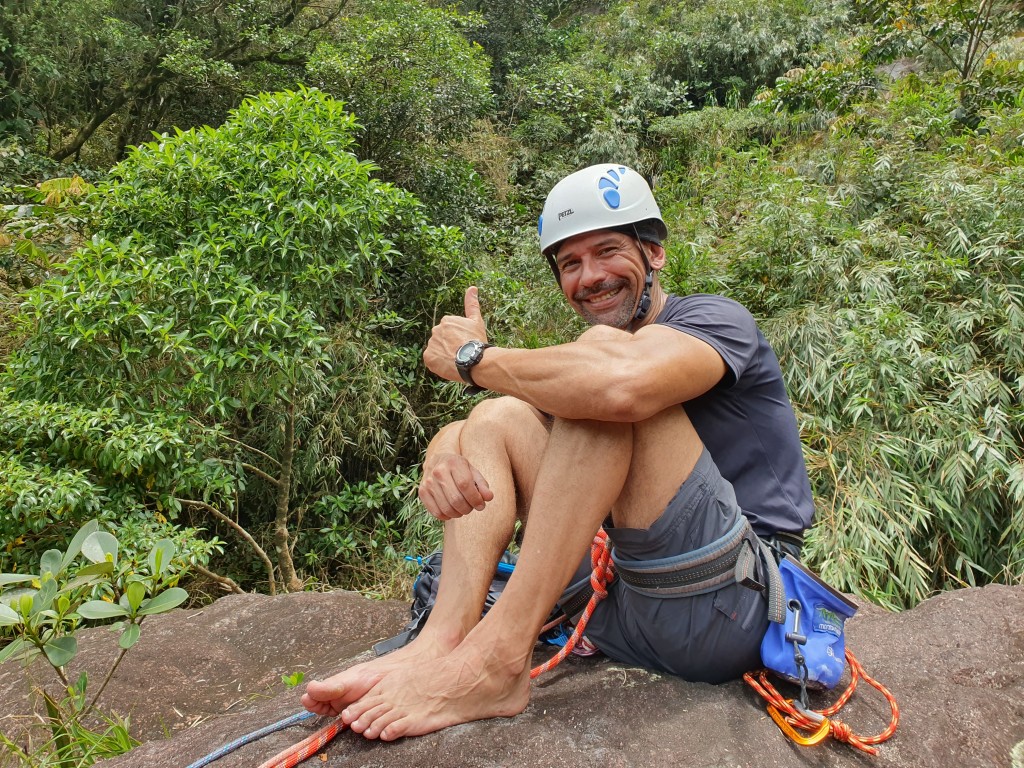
667, 422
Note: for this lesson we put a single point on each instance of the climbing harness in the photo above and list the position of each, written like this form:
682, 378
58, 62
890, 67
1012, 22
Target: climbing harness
603, 572
732, 558
808, 648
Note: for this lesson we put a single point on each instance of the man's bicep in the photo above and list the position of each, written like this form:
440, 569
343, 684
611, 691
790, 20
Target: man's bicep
682, 366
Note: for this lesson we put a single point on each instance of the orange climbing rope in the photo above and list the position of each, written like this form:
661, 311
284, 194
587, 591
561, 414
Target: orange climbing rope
600, 577
817, 725
309, 746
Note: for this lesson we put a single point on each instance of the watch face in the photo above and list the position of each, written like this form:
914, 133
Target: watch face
467, 352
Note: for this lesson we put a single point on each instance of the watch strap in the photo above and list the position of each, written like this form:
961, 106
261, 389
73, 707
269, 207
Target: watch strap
466, 370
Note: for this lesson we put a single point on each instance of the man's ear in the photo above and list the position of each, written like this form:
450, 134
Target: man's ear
655, 255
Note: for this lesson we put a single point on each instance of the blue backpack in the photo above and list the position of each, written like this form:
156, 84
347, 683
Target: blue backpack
424, 594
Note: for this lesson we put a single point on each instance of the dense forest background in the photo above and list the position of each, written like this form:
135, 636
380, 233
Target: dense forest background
227, 227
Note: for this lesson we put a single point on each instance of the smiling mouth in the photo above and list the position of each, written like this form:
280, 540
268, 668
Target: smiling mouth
604, 297
600, 295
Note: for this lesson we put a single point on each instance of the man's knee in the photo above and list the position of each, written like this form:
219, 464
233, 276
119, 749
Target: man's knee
502, 413
506, 420
603, 333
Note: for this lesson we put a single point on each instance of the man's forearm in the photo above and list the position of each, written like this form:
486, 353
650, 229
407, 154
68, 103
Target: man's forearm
571, 380
617, 377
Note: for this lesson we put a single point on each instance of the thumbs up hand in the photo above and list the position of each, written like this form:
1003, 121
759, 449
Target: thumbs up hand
472, 309
451, 333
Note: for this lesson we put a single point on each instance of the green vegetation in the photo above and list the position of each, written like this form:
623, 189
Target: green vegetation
886, 262
61, 598
223, 331
245, 315
216, 341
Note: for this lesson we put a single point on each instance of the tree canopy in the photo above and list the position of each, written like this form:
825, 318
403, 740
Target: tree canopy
226, 294
219, 327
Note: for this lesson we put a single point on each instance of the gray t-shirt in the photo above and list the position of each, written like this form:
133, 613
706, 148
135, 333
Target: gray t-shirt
747, 421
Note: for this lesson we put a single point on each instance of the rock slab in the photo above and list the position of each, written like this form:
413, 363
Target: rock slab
199, 679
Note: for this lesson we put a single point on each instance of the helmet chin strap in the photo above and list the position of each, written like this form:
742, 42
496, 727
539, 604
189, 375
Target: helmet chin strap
643, 306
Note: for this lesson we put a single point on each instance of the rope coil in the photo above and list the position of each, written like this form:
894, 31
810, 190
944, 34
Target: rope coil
789, 715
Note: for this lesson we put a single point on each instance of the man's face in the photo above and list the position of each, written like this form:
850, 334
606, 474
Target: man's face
602, 276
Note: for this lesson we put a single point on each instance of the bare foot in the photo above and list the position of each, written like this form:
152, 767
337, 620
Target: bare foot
329, 697
470, 683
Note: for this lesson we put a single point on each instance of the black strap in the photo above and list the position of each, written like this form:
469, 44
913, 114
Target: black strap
691, 573
732, 559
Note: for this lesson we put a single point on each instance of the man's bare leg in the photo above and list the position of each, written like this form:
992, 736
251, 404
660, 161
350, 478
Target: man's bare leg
504, 440
590, 466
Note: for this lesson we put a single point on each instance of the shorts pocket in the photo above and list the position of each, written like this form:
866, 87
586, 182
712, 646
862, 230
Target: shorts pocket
742, 605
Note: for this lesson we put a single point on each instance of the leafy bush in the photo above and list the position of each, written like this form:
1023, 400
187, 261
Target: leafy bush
698, 139
953, 36
255, 294
829, 87
725, 49
409, 74
366, 532
41, 223
887, 267
999, 81
64, 464
44, 619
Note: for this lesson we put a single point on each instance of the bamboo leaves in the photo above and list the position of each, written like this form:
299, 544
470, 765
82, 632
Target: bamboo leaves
887, 264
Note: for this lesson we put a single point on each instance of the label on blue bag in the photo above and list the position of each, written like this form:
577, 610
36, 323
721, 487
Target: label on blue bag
827, 621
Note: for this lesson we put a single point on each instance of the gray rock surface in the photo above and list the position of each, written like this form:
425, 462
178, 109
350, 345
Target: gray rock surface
204, 677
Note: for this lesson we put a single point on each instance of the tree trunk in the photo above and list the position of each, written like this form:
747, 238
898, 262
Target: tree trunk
272, 583
289, 579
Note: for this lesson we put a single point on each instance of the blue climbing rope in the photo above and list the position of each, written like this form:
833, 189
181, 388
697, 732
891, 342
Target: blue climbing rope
251, 737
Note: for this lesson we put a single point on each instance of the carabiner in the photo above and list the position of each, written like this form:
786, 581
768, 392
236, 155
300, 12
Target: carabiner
805, 741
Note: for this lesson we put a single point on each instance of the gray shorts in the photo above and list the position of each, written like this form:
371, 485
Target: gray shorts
711, 637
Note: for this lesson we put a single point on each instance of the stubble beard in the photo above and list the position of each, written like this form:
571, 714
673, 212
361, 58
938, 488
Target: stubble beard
620, 317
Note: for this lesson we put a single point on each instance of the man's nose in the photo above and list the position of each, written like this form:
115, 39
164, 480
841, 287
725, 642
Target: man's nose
592, 272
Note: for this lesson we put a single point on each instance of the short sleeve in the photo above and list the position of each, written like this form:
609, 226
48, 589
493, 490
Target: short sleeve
720, 322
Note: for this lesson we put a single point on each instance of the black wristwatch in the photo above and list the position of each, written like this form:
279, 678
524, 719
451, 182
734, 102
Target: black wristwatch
469, 354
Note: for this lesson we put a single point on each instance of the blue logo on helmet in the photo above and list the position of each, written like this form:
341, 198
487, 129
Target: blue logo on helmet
540, 224
610, 184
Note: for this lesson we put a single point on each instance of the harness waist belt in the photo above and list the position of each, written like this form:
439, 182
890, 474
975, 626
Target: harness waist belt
727, 560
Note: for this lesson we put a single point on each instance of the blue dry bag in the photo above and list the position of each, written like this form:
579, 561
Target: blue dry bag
811, 637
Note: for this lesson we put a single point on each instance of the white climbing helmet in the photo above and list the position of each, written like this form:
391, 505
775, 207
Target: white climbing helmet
605, 196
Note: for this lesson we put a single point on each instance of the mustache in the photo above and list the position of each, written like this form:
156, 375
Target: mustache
609, 285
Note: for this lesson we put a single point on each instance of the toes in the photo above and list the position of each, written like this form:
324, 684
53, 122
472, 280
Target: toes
337, 693
387, 727
365, 720
319, 707
324, 690
357, 709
